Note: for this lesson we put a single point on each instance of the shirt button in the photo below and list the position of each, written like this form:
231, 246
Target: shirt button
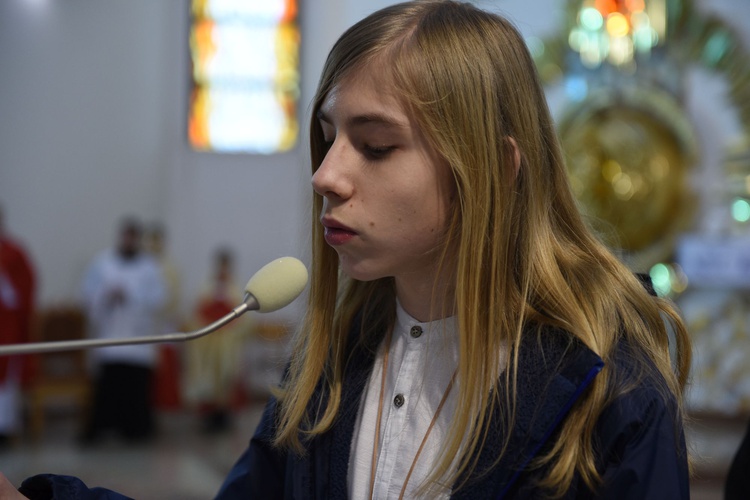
416, 331
398, 400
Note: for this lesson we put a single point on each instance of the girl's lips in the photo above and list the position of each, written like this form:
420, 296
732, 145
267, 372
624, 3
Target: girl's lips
338, 236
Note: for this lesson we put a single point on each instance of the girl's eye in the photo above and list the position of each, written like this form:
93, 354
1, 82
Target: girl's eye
377, 152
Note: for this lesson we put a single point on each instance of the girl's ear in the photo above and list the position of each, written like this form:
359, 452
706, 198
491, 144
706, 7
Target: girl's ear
515, 153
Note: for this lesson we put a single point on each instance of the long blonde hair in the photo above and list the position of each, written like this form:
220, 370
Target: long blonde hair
521, 253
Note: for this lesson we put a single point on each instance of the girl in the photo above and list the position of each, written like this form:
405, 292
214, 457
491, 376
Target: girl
466, 335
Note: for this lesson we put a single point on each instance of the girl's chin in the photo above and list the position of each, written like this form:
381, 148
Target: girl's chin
359, 272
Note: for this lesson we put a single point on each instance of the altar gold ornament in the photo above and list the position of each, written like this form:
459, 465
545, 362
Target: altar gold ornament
628, 155
628, 140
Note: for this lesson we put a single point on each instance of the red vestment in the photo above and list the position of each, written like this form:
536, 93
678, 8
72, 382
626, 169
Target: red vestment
17, 306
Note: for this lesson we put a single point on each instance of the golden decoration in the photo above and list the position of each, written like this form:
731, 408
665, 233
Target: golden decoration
622, 138
628, 156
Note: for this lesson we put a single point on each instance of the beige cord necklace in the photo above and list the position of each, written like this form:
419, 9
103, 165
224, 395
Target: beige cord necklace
375, 446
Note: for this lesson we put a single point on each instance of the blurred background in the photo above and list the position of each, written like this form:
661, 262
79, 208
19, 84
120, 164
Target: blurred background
190, 118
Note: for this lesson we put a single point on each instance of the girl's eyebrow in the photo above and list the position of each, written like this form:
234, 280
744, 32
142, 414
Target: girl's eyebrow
365, 119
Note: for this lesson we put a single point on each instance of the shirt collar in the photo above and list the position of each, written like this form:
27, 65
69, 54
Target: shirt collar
441, 328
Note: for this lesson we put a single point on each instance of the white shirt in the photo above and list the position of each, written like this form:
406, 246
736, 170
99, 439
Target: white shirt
420, 367
142, 283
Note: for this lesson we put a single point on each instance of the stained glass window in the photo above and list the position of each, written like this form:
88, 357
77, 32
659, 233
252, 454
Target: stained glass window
245, 77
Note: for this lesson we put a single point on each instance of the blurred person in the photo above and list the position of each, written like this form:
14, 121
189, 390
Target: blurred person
17, 293
167, 391
123, 291
156, 244
213, 361
737, 484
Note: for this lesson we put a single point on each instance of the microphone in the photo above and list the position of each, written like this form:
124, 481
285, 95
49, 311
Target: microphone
272, 287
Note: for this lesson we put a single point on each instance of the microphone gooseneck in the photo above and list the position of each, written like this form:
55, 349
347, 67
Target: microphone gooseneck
274, 286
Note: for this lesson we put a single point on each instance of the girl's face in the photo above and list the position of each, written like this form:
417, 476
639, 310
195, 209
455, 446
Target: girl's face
386, 192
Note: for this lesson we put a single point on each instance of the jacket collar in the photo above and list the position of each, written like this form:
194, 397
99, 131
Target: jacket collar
554, 370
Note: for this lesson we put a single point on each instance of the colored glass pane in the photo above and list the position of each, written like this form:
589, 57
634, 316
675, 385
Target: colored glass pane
245, 78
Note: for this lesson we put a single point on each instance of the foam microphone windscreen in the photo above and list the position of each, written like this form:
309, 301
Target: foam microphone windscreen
277, 283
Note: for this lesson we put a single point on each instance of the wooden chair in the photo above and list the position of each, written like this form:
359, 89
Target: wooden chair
59, 377
264, 358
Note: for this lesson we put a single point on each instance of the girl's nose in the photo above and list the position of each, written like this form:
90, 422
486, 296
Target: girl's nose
332, 179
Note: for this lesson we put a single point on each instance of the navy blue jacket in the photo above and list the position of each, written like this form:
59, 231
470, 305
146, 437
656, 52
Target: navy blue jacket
639, 443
